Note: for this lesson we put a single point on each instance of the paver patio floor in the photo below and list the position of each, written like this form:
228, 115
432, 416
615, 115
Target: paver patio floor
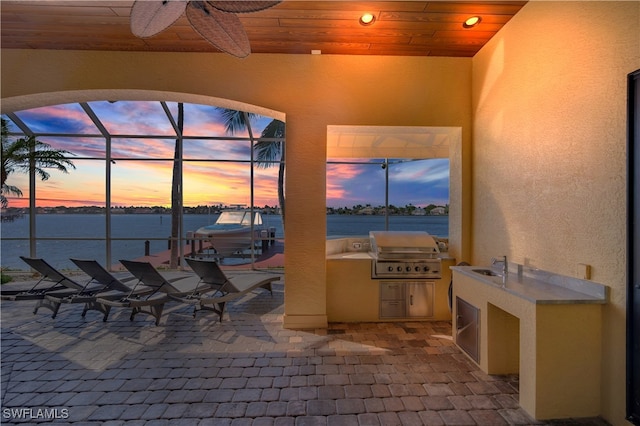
247, 370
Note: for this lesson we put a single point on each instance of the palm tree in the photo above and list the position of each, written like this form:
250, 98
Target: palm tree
176, 192
267, 152
26, 154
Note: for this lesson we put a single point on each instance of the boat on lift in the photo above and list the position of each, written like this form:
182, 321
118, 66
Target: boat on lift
232, 232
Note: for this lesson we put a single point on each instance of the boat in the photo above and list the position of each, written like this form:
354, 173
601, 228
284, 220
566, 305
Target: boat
231, 233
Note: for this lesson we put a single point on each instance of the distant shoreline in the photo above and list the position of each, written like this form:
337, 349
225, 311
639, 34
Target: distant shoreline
21, 213
63, 236
355, 211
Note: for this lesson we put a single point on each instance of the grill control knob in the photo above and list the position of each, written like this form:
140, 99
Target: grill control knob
399, 268
417, 268
425, 269
390, 268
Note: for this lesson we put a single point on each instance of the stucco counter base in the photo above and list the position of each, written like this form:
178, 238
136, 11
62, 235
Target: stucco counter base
353, 296
554, 347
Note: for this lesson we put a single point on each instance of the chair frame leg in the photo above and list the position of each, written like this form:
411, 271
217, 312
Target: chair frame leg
154, 310
94, 306
218, 308
46, 303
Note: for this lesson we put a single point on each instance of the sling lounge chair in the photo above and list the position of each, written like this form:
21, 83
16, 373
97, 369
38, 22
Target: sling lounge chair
64, 290
115, 288
152, 303
224, 288
98, 285
51, 280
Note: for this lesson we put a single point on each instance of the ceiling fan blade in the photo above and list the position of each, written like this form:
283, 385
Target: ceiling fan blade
245, 6
148, 18
223, 30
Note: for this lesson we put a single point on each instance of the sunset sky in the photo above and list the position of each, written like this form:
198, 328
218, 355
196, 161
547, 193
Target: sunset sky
142, 167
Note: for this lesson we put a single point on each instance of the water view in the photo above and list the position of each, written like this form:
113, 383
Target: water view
130, 231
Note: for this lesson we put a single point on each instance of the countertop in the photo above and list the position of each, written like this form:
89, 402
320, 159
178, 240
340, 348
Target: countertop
540, 287
350, 256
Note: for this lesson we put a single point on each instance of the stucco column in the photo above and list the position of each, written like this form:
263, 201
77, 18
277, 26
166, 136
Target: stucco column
305, 223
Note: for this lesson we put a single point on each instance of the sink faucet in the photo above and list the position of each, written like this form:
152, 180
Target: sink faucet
502, 260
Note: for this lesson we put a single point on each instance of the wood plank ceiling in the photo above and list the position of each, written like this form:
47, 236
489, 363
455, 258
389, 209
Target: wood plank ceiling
408, 28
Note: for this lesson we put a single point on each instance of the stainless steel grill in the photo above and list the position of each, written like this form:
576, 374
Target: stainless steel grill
404, 254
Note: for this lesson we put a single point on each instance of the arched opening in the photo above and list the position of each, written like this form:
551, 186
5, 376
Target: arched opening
145, 149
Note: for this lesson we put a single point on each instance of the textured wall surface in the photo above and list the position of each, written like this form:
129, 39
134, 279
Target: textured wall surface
549, 144
308, 91
549, 152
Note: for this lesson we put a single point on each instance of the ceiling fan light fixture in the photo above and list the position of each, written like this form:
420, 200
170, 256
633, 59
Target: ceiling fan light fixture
222, 29
472, 21
215, 21
149, 18
367, 19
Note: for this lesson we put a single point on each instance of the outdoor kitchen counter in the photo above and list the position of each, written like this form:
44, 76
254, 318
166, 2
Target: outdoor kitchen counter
545, 327
350, 256
369, 256
354, 296
540, 287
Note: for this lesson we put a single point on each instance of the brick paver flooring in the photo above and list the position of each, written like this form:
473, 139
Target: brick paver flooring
247, 370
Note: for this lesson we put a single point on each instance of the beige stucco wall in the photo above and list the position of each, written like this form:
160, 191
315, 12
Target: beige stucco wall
308, 91
547, 170
549, 152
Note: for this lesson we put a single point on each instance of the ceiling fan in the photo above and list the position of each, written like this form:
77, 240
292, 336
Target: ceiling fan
215, 21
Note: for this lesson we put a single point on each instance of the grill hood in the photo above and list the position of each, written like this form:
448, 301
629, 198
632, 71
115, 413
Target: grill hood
403, 245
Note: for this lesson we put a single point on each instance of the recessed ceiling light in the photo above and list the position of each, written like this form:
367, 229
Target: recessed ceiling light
472, 22
367, 19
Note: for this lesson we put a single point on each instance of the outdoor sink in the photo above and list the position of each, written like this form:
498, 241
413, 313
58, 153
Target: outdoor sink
486, 272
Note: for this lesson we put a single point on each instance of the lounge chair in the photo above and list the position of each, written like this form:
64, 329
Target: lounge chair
51, 280
225, 288
70, 291
115, 288
209, 273
152, 303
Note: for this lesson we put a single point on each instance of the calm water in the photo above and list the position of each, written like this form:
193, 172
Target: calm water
134, 229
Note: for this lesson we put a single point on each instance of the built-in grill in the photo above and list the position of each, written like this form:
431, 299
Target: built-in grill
407, 266
404, 254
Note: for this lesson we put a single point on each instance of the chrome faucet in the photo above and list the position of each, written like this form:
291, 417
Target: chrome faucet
503, 260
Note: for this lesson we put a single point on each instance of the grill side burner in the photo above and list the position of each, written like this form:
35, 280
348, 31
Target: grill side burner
400, 254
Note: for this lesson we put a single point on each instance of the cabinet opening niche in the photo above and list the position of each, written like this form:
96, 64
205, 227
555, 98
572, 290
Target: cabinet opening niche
503, 341
468, 328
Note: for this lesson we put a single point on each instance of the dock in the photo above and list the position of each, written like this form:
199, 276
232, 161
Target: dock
272, 257
10, 217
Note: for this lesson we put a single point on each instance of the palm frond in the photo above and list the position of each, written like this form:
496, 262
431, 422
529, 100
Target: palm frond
10, 189
26, 154
30, 150
267, 152
235, 121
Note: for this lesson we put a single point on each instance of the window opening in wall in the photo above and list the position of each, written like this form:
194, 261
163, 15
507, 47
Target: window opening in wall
393, 178
396, 194
116, 201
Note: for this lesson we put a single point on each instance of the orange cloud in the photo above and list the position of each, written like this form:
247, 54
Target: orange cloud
148, 182
337, 177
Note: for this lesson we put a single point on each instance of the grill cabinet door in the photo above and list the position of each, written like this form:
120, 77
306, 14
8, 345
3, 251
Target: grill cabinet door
406, 299
420, 299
